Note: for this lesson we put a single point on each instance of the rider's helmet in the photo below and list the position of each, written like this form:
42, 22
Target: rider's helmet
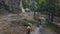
28, 29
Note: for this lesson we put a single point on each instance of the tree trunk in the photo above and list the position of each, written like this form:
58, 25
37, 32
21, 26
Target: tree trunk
21, 6
51, 10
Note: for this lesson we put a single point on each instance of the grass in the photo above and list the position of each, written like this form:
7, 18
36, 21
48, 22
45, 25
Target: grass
25, 21
54, 27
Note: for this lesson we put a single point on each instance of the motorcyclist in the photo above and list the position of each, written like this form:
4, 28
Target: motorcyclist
28, 29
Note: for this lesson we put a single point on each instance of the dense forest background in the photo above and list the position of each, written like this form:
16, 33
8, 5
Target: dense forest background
14, 6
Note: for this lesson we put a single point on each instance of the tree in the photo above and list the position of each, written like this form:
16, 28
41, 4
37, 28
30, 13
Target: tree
21, 6
57, 8
51, 10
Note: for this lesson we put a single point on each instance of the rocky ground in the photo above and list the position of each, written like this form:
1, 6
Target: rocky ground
8, 25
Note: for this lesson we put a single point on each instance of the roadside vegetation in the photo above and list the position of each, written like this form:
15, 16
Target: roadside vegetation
53, 27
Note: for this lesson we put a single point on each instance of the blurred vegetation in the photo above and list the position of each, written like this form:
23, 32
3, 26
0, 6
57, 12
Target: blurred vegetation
53, 27
35, 5
24, 22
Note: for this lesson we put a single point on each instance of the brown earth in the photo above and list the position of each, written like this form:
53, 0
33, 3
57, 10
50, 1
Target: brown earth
13, 29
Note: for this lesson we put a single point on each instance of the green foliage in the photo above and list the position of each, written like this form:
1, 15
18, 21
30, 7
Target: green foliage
41, 5
27, 3
34, 4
